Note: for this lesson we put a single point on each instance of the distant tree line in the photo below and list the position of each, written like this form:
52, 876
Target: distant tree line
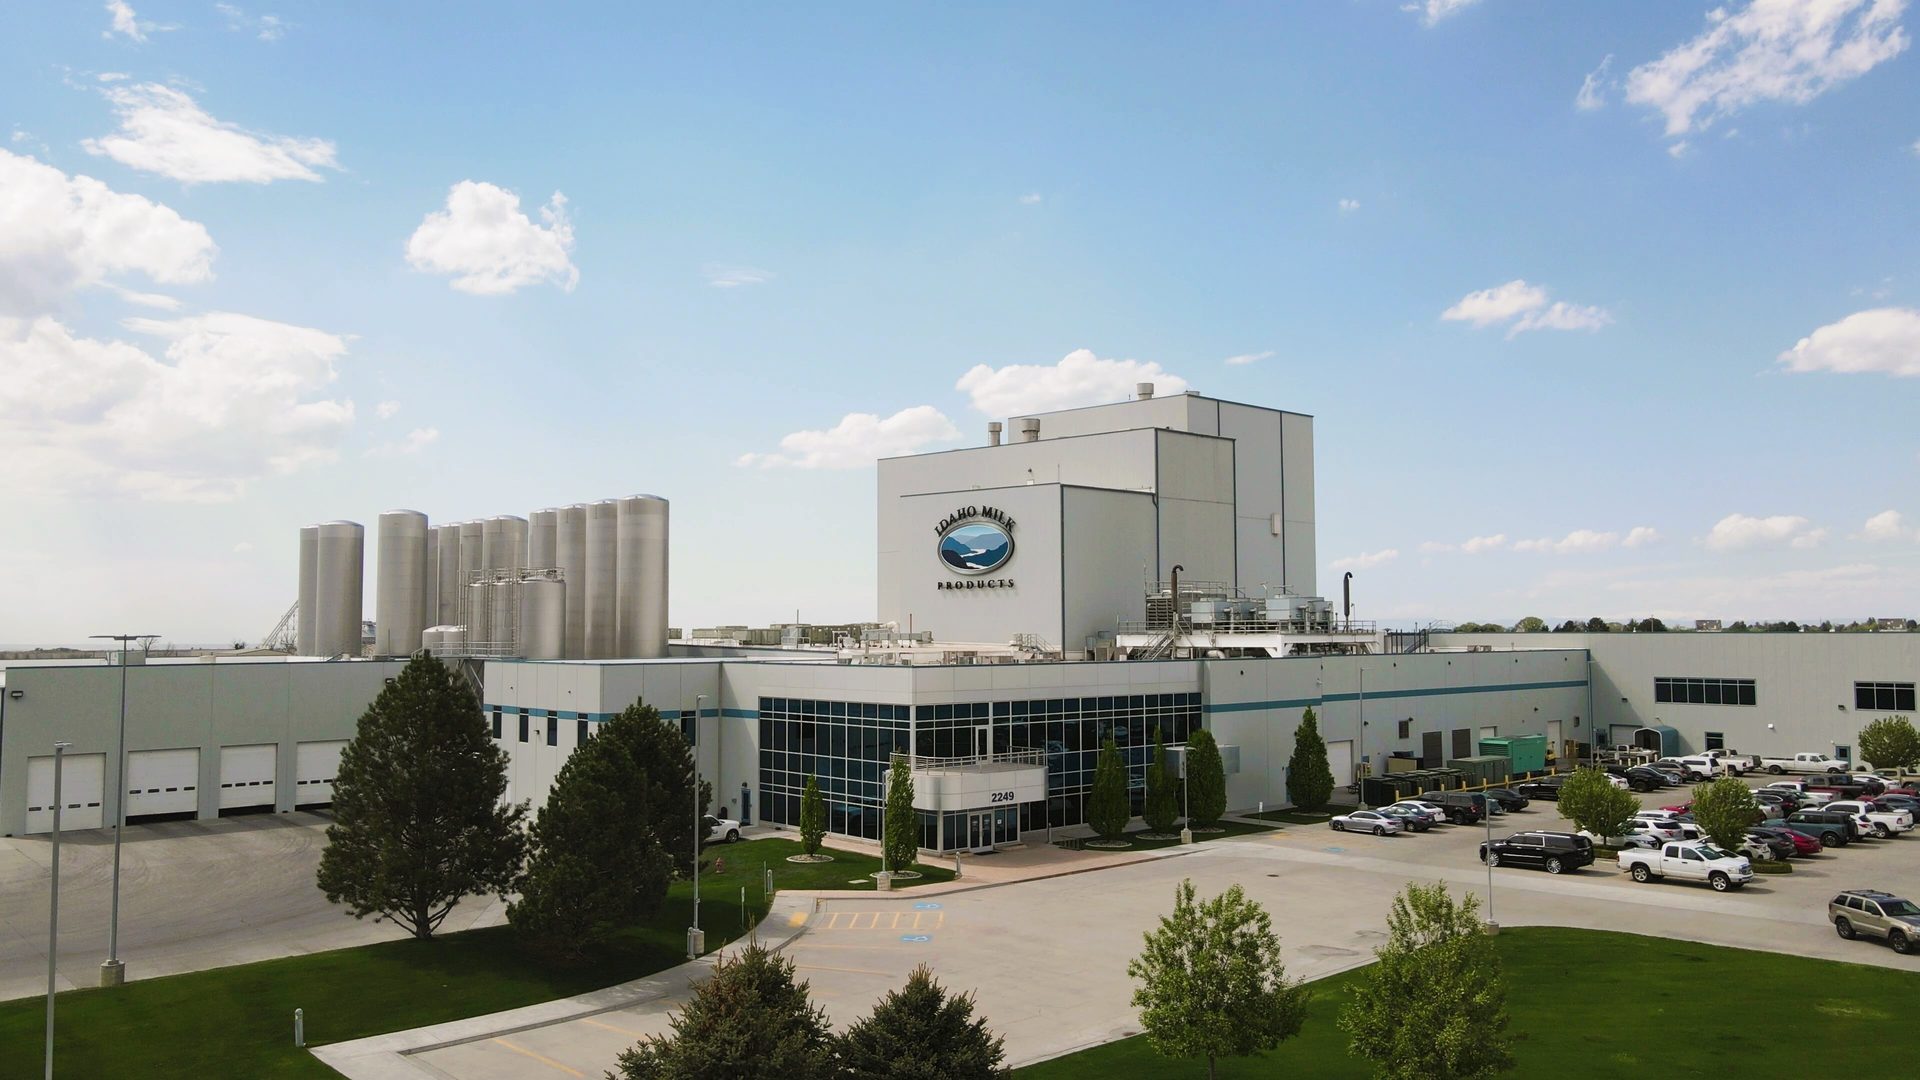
1533, 624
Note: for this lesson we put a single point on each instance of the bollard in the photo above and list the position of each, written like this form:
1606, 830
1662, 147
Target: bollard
299, 1028
956, 866
884, 880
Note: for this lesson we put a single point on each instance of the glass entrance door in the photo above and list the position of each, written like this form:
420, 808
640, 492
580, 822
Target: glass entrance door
980, 831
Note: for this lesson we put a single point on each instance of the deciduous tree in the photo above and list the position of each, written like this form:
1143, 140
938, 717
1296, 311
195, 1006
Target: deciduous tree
1725, 809
749, 1021
1309, 779
921, 1032
1591, 802
1890, 743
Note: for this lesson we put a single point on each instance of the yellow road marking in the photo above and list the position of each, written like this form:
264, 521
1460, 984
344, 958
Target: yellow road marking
612, 1028
541, 1058
796, 918
883, 920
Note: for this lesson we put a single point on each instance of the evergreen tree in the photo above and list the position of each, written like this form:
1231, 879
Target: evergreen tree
1434, 1006
1163, 803
1309, 779
900, 833
1108, 807
920, 1032
1206, 781
595, 858
748, 1021
1211, 981
813, 817
419, 817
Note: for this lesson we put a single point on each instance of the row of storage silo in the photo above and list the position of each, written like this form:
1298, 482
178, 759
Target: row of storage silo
587, 581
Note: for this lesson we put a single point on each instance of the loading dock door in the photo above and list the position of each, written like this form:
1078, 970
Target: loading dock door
1553, 739
163, 782
82, 779
1621, 734
1462, 742
246, 775
314, 766
1430, 750
1340, 763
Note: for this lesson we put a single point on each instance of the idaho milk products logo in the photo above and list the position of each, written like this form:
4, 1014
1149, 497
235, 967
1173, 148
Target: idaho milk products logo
970, 545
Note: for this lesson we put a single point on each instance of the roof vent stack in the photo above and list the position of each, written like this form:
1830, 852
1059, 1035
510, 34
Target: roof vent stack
1143, 390
1030, 430
993, 433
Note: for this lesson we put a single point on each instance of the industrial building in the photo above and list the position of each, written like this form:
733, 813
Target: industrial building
1124, 571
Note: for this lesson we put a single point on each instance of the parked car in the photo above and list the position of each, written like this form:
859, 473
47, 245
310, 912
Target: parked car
1552, 852
1462, 807
1433, 814
1779, 841
1832, 830
1412, 819
721, 830
1875, 785
1805, 763
1672, 774
1680, 808
1547, 788
1840, 785
1872, 913
1695, 768
1736, 762
1634, 837
1507, 798
1799, 790
1372, 821
1802, 843
1882, 822
1689, 862
1781, 803
1657, 815
1642, 778
1899, 802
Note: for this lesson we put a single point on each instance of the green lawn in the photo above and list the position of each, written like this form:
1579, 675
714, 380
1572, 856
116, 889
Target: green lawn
238, 1021
1295, 817
1232, 829
1719, 1009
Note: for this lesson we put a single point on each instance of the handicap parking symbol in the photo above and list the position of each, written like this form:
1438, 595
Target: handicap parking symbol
916, 939
926, 905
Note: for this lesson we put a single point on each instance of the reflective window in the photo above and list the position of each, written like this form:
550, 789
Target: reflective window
1704, 691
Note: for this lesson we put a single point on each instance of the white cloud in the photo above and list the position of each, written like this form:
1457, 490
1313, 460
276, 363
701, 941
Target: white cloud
732, 277
416, 440
1737, 532
1593, 88
1524, 307
386, 409
1248, 358
244, 547
60, 233
1432, 11
484, 239
1577, 542
124, 22
1641, 536
1365, 560
1770, 50
1348, 206
234, 398
163, 131
1884, 340
264, 27
1471, 546
857, 440
1080, 378
1031, 198
1887, 525
159, 301
1915, 147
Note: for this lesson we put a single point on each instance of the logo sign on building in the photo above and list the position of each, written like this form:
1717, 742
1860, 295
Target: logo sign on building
974, 540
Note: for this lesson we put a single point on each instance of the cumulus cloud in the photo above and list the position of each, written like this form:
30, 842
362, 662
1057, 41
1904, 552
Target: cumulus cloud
243, 547
1593, 88
1524, 307
1641, 536
1365, 560
123, 21
732, 277
1768, 51
857, 440
490, 246
1031, 198
1080, 378
386, 409
1248, 358
416, 440
1737, 532
264, 27
163, 131
59, 233
1473, 545
1887, 525
1432, 11
1577, 542
1348, 206
233, 398
1883, 340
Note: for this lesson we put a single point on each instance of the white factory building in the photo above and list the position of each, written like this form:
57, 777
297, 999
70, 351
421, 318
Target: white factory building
1029, 584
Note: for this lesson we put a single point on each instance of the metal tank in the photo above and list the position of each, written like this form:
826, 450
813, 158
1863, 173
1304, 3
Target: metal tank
447, 587
305, 641
472, 552
640, 599
479, 616
542, 527
493, 543
543, 615
570, 555
400, 589
430, 614
503, 617
340, 563
601, 579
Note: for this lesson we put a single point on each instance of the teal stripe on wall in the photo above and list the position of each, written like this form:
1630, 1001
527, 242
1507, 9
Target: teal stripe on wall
1434, 691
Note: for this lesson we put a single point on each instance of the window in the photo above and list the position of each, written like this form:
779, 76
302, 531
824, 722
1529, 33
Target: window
553, 731
1844, 753
523, 727
496, 721
1716, 740
1406, 728
1883, 696
581, 735
1691, 691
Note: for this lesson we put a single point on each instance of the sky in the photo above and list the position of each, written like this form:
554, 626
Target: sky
1600, 309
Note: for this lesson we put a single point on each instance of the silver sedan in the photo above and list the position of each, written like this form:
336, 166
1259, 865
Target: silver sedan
1365, 821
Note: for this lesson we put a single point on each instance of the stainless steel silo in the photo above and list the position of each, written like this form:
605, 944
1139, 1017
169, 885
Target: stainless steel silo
543, 615
640, 599
448, 586
472, 560
493, 543
340, 563
503, 615
305, 640
430, 611
400, 586
570, 555
479, 616
542, 534
602, 579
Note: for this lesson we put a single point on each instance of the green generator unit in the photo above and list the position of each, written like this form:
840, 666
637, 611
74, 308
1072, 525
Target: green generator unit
1524, 753
1485, 770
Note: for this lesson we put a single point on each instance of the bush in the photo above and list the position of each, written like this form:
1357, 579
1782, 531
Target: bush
748, 1021
920, 1032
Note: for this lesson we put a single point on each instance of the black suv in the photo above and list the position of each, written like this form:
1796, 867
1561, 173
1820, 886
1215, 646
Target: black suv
1462, 807
1553, 852
1548, 788
1508, 798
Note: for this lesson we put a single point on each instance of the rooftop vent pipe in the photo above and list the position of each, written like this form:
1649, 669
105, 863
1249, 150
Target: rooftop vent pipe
1030, 430
1143, 390
993, 433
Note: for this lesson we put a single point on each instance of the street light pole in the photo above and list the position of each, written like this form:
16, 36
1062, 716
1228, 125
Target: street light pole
53, 906
112, 971
696, 941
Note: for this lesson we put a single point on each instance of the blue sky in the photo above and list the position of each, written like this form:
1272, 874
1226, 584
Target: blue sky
1515, 318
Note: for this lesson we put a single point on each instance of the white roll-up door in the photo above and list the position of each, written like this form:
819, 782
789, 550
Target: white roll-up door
315, 764
246, 775
82, 779
163, 782
1340, 763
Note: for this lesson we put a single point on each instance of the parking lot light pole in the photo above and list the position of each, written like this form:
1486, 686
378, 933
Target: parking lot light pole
112, 971
1486, 813
53, 905
696, 941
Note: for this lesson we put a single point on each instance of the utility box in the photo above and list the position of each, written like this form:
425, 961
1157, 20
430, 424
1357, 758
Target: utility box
1524, 753
1485, 770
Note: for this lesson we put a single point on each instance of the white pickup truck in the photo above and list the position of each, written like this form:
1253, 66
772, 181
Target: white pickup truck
1805, 763
1736, 762
1883, 823
1690, 860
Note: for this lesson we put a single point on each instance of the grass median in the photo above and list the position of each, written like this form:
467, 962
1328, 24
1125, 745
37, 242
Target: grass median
1674, 986
238, 1021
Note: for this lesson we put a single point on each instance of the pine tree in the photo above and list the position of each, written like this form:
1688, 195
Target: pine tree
419, 817
813, 817
748, 1021
920, 1032
1108, 807
1309, 780
595, 857
1163, 804
1206, 781
1211, 981
900, 833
